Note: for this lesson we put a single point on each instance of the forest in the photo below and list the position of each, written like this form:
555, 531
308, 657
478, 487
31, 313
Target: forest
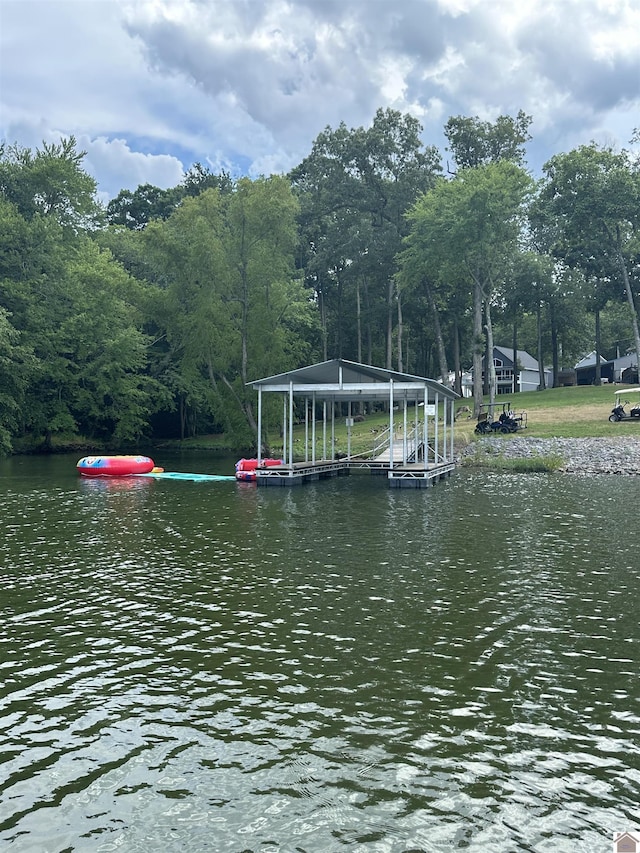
143, 319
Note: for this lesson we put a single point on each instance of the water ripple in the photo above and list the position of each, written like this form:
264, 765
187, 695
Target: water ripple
306, 670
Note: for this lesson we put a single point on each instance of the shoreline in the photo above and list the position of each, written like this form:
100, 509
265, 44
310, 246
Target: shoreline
615, 455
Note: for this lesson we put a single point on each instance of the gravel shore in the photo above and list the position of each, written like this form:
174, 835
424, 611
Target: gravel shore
581, 455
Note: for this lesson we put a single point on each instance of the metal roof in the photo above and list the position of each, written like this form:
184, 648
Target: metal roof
339, 379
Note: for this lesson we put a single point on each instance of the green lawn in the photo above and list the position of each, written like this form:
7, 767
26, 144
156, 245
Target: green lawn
577, 412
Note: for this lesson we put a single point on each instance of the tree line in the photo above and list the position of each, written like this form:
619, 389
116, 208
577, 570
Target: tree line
146, 317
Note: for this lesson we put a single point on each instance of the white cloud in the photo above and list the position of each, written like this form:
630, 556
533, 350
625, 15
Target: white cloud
151, 86
110, 159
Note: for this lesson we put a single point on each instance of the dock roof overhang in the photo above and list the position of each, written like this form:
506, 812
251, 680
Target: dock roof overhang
339, 379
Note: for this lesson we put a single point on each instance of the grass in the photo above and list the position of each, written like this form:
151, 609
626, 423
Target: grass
531, 465
577, 412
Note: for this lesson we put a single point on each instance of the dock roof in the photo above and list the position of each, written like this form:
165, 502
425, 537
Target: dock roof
339, 379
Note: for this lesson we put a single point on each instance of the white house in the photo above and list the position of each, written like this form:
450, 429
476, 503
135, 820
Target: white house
466, 382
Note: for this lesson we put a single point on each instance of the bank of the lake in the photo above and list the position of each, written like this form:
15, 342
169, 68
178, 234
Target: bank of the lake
615, 455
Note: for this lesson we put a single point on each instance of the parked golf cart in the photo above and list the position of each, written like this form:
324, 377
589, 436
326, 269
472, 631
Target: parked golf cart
507, 421
618, 413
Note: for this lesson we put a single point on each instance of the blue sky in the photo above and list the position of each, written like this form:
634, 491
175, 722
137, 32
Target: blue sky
149, 87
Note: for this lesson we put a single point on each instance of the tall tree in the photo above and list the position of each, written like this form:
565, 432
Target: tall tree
66, 300
473, 142
469, 228
354, 189
594, 193
16, 369
231, 306
136, 209
51, 183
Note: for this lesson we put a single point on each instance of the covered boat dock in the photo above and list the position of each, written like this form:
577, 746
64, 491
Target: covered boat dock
414, 451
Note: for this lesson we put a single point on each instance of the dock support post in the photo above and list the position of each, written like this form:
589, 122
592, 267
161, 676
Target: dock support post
390, 423
313, 428
291, 424
259, 424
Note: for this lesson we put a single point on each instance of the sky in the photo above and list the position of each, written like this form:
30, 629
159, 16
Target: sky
150, 87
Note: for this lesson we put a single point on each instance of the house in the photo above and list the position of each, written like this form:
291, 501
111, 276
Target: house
621, 369
586, 369
625, 369
523, 376
466, 382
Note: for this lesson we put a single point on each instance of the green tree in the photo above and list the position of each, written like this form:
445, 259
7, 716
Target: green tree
594, 195
65, 310
473, 142
50, 183
16, 367
233, 308
354, 190
467, 230
136, 209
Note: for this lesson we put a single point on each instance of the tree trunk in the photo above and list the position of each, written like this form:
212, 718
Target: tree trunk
442, 353
323, 323
598, 374
400, 333
340, 312
514, 358
487, 358
457, 368
367, 305
555, 359
359, 321
245, 406
478, 347
541, 378
389, 324
630, 301
491, 368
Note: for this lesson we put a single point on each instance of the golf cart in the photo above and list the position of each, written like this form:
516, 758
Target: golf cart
618, 413
507, 421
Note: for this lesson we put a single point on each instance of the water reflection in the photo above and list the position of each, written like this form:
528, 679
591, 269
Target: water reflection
340, 664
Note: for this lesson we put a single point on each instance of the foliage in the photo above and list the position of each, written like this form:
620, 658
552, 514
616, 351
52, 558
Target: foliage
135, 210
593, 194
230, 307
73, 353
354, 189
465, 231
151, 316
49, 183
473, 142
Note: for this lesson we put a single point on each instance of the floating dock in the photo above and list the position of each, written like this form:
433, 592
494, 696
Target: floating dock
402, 476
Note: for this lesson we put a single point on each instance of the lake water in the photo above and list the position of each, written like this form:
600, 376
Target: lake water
335, 666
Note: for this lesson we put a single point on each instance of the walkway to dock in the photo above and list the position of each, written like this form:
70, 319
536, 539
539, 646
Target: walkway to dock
416, 451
